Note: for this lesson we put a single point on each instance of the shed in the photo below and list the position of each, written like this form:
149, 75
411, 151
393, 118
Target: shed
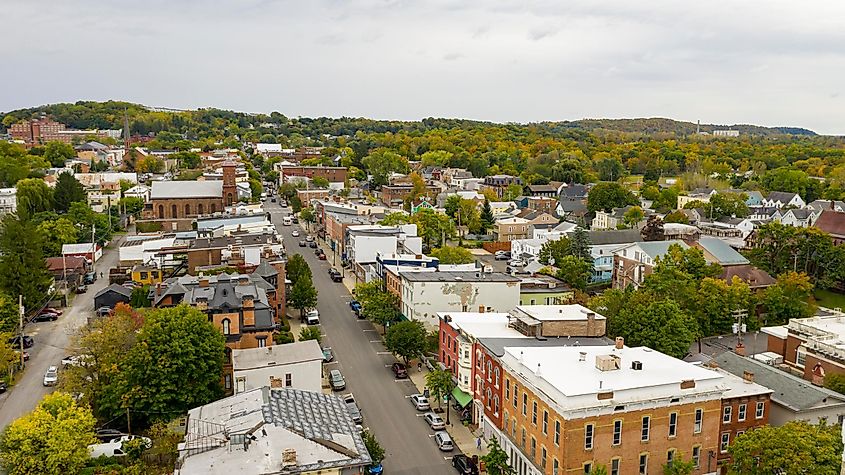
112, 295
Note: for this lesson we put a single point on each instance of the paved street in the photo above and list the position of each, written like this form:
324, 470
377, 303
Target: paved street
364, 362
51, 341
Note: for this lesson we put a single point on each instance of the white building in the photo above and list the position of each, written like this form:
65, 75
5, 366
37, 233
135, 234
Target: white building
365, 242
294, 365
138, 191
781, 199
726, 133
8, 200
425, 294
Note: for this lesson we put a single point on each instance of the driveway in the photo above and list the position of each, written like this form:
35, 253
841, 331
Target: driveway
51, 341
364, 362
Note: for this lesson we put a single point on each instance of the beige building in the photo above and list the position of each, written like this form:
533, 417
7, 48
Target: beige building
510, 229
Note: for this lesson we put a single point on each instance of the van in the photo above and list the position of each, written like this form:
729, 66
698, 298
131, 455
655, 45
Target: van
287, 221
312, 317
444, 442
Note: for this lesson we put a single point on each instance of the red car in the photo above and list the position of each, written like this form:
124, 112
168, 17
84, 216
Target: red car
322, 256
52, 310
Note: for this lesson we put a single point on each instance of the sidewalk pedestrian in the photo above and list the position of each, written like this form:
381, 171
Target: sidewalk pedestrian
419, 366
478, 442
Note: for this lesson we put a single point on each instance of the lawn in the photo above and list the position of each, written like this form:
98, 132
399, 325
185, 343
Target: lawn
829, 299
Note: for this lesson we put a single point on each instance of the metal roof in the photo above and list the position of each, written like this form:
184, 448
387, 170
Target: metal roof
187, 189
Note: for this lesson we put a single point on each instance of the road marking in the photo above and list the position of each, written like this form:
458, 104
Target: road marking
388, 365
383, 353
368, 329
331, 362
432, 436
449, 458
375, 341
420, 415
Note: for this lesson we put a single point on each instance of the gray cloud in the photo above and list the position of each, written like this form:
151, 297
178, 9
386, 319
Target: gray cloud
769, 62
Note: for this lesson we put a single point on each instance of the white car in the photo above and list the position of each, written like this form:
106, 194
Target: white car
420, 402
77, 360
434, 421
114, 448
516, 263
312, 317
51, 377
294, 233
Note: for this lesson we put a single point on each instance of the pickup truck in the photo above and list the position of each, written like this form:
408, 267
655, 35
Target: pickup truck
354, 410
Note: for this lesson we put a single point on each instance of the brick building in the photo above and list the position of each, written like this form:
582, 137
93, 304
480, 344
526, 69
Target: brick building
394, 195
332, 174
38, 131
499, 183
745, 406
812, 347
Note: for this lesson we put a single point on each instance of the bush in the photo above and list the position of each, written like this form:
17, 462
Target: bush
284, 337
147, 227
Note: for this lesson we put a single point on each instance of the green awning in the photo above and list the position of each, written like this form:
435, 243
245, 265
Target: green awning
462, 397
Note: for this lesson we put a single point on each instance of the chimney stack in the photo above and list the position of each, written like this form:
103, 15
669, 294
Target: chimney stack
620, 342
748, 377
582, 356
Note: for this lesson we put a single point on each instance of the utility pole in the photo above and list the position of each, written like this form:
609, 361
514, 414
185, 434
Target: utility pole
20, 322
93, 250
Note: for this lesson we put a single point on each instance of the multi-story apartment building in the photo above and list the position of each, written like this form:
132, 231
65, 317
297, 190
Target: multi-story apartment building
569, 409
745, 406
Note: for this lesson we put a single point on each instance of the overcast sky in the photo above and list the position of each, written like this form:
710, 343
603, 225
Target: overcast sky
767, 62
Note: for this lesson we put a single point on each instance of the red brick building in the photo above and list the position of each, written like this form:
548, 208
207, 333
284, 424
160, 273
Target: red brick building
332, 174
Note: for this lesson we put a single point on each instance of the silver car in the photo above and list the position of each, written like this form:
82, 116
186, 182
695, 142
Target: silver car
434, 421
336, 380
51, 377
444, 442
420, 402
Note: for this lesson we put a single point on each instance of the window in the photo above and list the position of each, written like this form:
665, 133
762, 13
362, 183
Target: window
227, 381
173, 212
489, 371
524, 404
555, 466
534, 412
262, 342
557, 433
761, 406
740, 416
726, 414
617, 432
506, 418
533, 302
227, 326
673, 424
515, 394
496, 404
699, 415
543, 457
200, 208
143, 276
160, 211
646, 427
588, 467
670, 457
726, 439
241, 382
489, 397
213, 208
588, 437
187, 210
523, 437
614, 467
696, 456
545, 422
496, 377
288, 380
739, 433
643, 464
800, 358
507, 389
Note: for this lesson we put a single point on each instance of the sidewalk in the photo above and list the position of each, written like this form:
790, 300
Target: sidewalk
464, 438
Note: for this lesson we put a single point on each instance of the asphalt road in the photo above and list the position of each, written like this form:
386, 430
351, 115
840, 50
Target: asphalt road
51, 341
364, 362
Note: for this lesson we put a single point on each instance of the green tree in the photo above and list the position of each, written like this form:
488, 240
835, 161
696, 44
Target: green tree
487, 218
716, 301
439, 383
607, 195
453, 255
297, 267
16, 164
303, 295
176, 365
679, 466
380, 163
307, 215
835, 382
52, 439
9, 357
187, 159
432, 226
658, 324
57, 153
610, 168
512, 192
676, 216
795, 447
22, 267
395, 219
580, 244
381, 308
131, 205
149, 164
552, 252
140, 297
496, 459
56, 233
320, 182
9, 314
791, 297
574, 271
468, 216
406, 339
453, 202
68, 190
33, 196
310, 333
633, 216
373, 447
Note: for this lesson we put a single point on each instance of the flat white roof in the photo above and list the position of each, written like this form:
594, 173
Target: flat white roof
779, 331
558, 312
292, 353
482, 325
573, 384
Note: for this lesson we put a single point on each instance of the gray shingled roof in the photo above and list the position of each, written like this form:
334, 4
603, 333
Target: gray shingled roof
781, 196
615, 236
790, 391
265, 270
122, 290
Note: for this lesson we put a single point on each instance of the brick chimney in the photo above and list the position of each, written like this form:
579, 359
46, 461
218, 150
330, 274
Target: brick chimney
818, 375
620, 343
740, 349
203, 282
748, 377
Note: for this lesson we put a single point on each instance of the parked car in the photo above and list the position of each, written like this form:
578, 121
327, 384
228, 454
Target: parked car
355, 305
273, 199
294, 233
399, 370
501, 257
51, 377
335, 275
82, 289
45, 317
420, 402
321, 255
317, 251
108, 435
114, 447
25, 355
104, 311
302, 243
354, 410
464, 465
309, 238
312, 317
15, 341
327, 354
336, 380
312, 244
52, 310
295, 219
444, 442
3, 387
74, 361
516, 263
89, 278
434, 421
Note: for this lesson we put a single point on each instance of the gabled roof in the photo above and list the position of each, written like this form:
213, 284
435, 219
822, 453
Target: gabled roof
574, 190
265, 270
117, 288
782, 196
720, 250
615, 236
788, 390
831, 222
753, 276
187, 189
542, 189
799, 213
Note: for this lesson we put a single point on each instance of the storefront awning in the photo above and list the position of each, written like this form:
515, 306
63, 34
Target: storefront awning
461, 397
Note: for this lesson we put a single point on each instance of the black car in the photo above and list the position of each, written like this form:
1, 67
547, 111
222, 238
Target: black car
89, 278
318, 251
3, 387
464, 465
27, 341
312, 244
302, 243
335, 275
45, 317
107, 435
295, 220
